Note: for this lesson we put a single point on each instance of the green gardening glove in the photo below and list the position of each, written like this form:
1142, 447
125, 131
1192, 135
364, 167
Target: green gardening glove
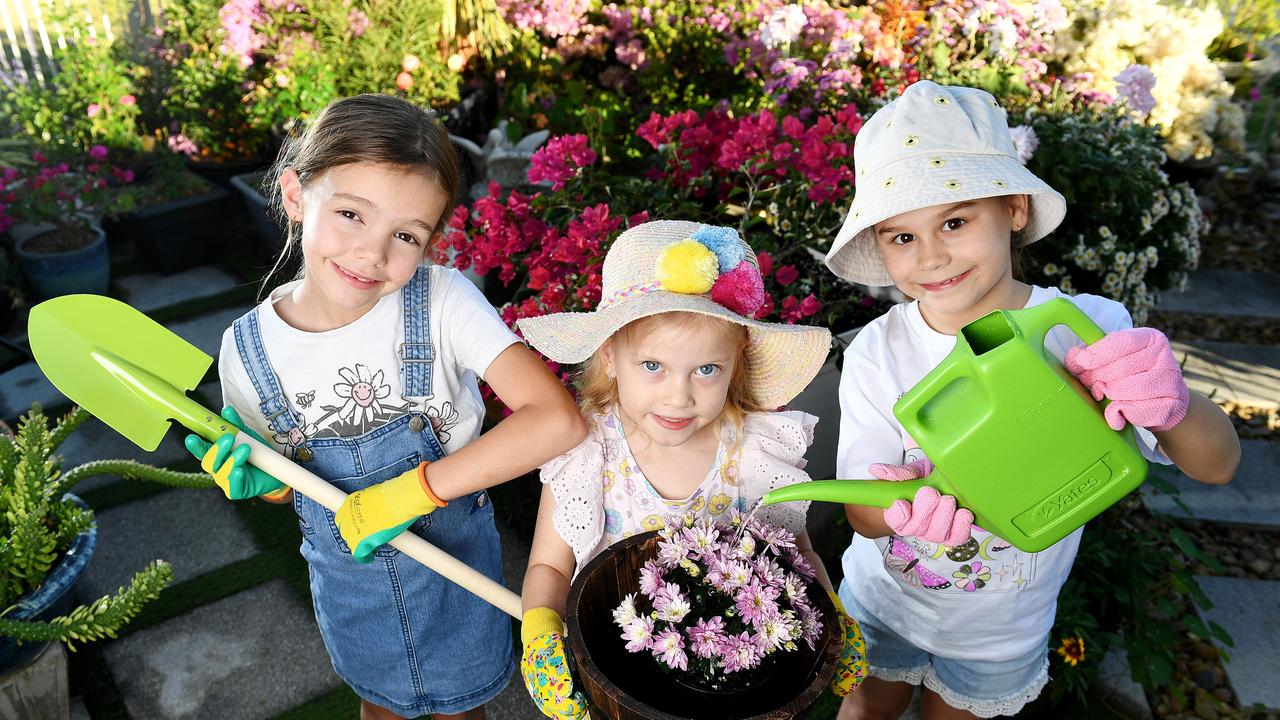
237, 478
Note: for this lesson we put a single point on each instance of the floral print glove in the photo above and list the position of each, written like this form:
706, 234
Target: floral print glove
545, 667
851, 669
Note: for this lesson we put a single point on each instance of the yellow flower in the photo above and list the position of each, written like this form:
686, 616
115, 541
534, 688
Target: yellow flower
688, 267
1072, 650
719, 503
653, 522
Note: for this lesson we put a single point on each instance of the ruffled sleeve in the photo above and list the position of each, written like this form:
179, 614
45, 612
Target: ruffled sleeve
773, 448
577, 484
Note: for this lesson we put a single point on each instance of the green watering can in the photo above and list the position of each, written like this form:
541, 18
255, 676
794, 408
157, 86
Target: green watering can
1012, 435
133, 374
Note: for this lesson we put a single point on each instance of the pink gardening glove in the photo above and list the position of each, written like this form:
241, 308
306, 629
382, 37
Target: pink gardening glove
932, 516
1137, 371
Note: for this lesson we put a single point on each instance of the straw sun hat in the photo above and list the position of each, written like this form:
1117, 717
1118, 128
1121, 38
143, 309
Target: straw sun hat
933, 145
676, 266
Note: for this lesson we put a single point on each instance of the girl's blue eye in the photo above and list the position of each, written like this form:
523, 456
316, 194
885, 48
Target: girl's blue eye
708, 370
651, 365
954, 223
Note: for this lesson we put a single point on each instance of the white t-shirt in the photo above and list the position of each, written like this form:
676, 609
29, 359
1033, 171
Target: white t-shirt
346, 382
937, 598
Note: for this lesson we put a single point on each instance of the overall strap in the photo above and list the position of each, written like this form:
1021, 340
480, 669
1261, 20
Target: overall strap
272, 402
417, 352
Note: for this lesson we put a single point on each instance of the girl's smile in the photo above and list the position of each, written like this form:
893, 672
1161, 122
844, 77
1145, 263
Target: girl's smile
946, 284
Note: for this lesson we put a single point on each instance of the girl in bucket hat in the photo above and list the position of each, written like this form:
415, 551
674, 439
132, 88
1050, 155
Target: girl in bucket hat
679, 384
942, 202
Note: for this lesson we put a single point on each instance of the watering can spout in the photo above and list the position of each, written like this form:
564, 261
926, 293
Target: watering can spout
877, 493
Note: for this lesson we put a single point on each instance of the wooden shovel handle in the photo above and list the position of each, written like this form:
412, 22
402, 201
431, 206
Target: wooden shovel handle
298, 478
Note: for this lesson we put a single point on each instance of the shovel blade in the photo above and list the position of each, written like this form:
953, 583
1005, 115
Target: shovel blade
76, 341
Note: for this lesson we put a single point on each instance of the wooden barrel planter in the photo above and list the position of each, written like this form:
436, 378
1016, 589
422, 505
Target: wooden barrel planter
630, 686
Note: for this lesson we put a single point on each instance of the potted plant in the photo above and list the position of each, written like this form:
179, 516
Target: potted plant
62, 248
175, 218
47, 537
703, 618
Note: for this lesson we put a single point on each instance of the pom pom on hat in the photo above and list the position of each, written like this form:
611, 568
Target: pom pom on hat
740, 290
725, 243
687, 267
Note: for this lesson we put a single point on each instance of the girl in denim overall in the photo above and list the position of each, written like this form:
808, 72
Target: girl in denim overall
364, 371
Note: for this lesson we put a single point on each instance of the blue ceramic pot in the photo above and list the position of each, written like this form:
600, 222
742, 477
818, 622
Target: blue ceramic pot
50, 600
84, 270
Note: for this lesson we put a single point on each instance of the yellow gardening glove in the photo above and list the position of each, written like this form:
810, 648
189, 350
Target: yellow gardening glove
371, 517
230, 467
851, 668
545, 668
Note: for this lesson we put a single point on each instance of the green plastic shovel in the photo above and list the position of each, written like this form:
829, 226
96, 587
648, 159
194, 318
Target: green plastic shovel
133, 374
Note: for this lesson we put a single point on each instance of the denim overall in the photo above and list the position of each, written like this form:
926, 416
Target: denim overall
399, 634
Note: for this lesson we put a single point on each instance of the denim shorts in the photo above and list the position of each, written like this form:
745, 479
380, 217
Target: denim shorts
986, 689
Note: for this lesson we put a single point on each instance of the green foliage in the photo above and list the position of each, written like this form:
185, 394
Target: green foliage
205, 102
38, 524
1129, 233
1132, 585
1249, 24
91, 99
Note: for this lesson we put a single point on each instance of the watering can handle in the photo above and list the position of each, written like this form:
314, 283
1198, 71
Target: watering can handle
1036, 321
269, 461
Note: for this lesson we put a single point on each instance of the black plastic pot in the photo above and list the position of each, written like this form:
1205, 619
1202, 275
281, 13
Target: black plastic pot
270, 234
179, 234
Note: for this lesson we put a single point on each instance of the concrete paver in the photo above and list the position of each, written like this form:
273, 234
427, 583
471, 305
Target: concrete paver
194, 530
249, 656
1227, 292
1252, 498
1249, 610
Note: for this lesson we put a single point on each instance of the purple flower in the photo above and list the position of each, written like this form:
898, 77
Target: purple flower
638, 634
740, 652
98, 152
1134, 84
776, 538
182, 145
670, 604
240, 19
1024, 141
706, 636
650, 578
357, 22
756, 602
668, 647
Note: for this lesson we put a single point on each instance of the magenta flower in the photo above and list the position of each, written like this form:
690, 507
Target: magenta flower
755, 602
560, 160
740, 652
98, 152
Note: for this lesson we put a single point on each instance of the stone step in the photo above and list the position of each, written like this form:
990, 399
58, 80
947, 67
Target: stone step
196, 531
149, 292
1249, 610
249, 656
1246, 374
1252, 498
1227, 292
25, 384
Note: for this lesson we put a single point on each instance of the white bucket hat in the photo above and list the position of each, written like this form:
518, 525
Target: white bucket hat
934, 145
677, 266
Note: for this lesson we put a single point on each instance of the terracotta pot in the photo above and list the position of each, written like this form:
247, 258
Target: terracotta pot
630, 686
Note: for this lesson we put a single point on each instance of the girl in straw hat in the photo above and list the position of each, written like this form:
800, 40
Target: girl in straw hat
679, 386
942, 204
